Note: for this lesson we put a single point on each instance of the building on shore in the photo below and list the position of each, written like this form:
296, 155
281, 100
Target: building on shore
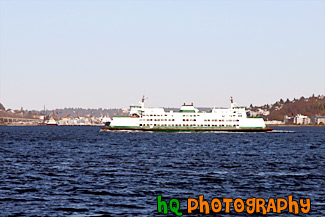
274, 122
288, 120
318, 119
258, 112
301, 119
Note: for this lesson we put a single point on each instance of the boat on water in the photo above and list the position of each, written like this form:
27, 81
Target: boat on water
106, 120
51, 122
187, 119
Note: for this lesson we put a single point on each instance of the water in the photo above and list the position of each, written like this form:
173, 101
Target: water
80, 171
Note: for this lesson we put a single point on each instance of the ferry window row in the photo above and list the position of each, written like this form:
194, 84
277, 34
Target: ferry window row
191, 115
155, 115
221, 120
188, 125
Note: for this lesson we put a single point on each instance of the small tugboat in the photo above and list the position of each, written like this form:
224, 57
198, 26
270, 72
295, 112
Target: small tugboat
187, 119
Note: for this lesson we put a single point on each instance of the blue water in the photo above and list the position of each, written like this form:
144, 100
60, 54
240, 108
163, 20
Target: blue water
80, 171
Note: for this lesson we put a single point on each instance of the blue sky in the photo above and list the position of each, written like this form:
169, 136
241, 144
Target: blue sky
96, 53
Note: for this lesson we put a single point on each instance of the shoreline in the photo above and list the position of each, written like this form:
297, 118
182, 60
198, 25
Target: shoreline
294, 125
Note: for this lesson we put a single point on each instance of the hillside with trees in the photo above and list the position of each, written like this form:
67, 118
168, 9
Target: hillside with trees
314, 105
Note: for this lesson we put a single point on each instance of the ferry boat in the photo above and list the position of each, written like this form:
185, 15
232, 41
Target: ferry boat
187, 119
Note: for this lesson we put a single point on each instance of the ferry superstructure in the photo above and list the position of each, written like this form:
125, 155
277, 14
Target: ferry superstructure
188, 118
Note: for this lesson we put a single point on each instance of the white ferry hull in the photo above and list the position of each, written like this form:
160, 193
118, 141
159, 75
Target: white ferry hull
163, 129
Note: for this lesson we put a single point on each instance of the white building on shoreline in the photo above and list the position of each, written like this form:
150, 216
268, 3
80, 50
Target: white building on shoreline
301, 119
